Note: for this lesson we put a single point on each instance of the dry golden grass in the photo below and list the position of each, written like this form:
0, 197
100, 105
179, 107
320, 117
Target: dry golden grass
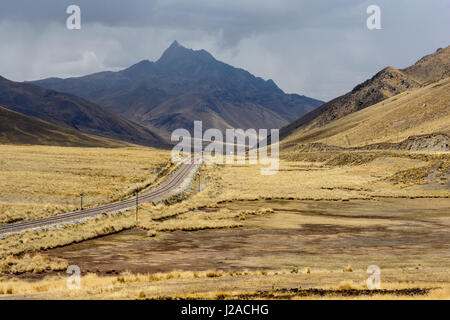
109, 287
42, 181
27, 263
194, 220
415, 175
209, 284
317, 181
32, 240
35, 240
416, 112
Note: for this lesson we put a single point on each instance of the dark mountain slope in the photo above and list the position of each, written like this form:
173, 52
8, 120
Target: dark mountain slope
16, 128
73, 112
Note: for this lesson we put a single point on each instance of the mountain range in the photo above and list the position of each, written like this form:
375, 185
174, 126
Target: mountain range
186, 85
145, 102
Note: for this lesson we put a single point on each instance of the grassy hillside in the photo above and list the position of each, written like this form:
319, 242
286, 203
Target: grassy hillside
416, 112
16, 128
385, 84
431, 67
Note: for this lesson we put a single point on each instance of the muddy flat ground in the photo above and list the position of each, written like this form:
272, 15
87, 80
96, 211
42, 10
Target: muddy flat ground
407, 238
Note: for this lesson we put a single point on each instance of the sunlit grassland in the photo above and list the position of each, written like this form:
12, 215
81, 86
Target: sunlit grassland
220, 183
319, 181
215, 284
208, 208
41, 181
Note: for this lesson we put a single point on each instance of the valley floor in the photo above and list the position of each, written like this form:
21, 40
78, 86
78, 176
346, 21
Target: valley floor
316, 226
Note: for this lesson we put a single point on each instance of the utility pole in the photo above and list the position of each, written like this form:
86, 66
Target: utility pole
137, 205
348, 140
81, 201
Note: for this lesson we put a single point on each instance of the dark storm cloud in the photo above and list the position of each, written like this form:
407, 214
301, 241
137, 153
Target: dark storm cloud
318, 48
236, 19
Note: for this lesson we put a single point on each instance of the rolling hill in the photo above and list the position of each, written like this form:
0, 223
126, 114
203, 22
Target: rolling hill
387, 83
66, 110
423, 112
186, 85
16, 128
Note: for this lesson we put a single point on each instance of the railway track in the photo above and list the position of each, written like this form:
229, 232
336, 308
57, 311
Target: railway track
161, 192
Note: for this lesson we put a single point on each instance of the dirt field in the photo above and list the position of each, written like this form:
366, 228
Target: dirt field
307, 244
300, 234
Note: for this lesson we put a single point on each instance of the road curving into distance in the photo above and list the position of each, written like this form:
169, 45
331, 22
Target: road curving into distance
161, 192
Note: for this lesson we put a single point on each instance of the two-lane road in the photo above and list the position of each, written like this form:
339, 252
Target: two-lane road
161, 192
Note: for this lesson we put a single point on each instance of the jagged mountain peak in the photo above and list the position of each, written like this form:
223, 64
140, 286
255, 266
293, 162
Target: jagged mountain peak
175, 58
177, 54
175, 44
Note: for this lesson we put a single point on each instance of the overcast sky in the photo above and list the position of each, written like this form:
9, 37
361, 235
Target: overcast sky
319, 48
